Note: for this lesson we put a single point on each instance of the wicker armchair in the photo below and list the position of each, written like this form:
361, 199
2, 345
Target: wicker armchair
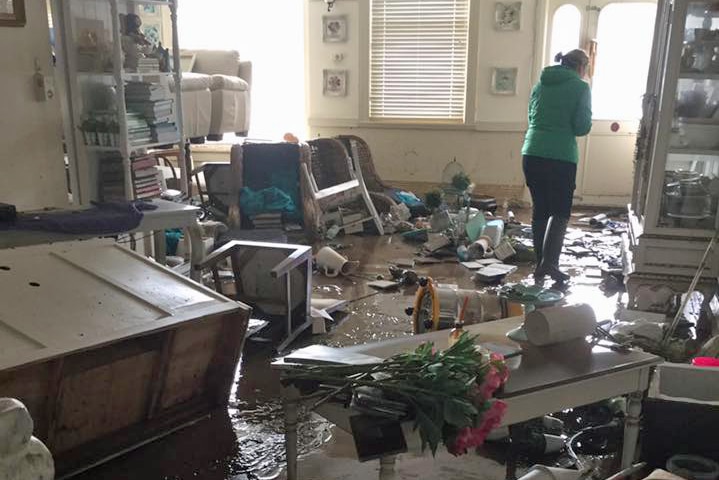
335, 180
378, 188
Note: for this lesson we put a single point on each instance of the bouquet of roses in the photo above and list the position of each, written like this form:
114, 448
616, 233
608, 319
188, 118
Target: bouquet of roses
449, 393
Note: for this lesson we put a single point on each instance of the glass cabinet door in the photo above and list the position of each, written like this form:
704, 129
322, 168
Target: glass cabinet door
691, 176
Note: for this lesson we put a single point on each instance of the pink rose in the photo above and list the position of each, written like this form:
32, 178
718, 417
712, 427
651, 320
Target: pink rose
496, 357
462, 442
493, 417
492, 381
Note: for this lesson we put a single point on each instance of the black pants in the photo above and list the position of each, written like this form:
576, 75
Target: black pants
551, 184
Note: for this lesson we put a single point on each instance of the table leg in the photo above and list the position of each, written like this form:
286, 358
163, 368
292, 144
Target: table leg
386, 467
631, 428
197, 250
160, 246
290, 401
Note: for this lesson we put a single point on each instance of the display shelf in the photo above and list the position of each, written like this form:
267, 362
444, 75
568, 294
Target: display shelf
135, 104
698, 76
693, 151
676, 142
711, 122
153, 2
145, 75
689, 217
703, 43
127, 76
133, 148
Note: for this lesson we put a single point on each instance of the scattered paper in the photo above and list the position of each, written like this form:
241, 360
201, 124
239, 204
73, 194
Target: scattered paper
593, 273
427, 261
488, 261
437, 241
471, 265
403, 262
383, 284
495, 272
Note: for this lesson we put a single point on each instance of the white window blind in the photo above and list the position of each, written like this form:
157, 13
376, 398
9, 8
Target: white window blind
418, 59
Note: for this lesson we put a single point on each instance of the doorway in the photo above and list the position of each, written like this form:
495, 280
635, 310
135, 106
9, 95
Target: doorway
618, 35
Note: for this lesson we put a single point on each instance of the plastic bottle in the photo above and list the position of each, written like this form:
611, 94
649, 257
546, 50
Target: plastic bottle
455, 333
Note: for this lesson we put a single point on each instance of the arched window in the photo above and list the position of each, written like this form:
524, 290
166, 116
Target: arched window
566, 28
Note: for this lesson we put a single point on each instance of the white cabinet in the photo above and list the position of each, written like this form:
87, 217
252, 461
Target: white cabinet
676, 187
121, 96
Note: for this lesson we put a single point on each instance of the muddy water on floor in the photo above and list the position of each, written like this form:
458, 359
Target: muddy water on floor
248, 438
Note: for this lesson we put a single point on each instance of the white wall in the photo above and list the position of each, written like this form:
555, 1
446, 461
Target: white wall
31, 160
489, 147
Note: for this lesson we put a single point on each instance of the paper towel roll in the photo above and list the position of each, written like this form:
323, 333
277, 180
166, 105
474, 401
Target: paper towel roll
559, 324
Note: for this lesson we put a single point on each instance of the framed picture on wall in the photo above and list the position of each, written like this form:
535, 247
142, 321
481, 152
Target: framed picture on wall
507, 16
334, 28
149, 10
12, 13
504, 81
152, 32
335, 83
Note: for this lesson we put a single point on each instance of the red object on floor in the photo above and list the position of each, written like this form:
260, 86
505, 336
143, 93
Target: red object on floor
706, 362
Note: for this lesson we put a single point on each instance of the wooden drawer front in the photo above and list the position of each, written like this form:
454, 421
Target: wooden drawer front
193, 348
104, 399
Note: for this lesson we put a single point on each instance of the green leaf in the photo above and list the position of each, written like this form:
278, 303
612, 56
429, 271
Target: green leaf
435, 367
429, 430
459, 412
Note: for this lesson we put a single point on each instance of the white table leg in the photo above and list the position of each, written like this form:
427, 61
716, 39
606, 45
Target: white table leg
386, 467
631, 428
197, 250
290, 401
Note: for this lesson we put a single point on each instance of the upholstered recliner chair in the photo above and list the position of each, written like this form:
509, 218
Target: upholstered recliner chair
229, 83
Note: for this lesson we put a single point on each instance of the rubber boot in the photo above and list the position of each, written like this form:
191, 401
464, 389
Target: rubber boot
539, 228
552, 249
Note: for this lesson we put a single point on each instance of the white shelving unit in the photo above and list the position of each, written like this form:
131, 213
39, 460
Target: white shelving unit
91, 58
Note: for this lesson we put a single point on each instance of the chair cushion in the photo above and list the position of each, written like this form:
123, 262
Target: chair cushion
221, 62
225, 82
195, 81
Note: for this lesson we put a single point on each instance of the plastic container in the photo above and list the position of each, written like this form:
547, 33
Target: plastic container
705, 362
494, 230
475, 226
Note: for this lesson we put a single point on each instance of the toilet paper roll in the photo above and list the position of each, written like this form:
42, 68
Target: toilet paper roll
551, 325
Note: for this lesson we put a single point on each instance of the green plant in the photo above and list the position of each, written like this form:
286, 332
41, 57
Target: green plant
448, 392
433, 199
461, 181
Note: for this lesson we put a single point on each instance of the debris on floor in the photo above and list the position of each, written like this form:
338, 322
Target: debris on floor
421, 280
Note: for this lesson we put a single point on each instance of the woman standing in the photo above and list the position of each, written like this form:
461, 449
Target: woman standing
560, 109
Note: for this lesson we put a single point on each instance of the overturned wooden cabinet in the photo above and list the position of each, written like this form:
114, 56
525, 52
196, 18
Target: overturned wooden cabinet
109, 350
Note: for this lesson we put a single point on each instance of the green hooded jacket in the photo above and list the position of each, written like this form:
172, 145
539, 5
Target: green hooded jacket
560, 109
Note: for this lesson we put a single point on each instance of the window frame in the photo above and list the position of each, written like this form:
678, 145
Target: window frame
470, 100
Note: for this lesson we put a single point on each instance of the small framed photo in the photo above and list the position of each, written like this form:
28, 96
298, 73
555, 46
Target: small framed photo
12, 13
508, 16
152, 32
334, 28
504, 81
335, 83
